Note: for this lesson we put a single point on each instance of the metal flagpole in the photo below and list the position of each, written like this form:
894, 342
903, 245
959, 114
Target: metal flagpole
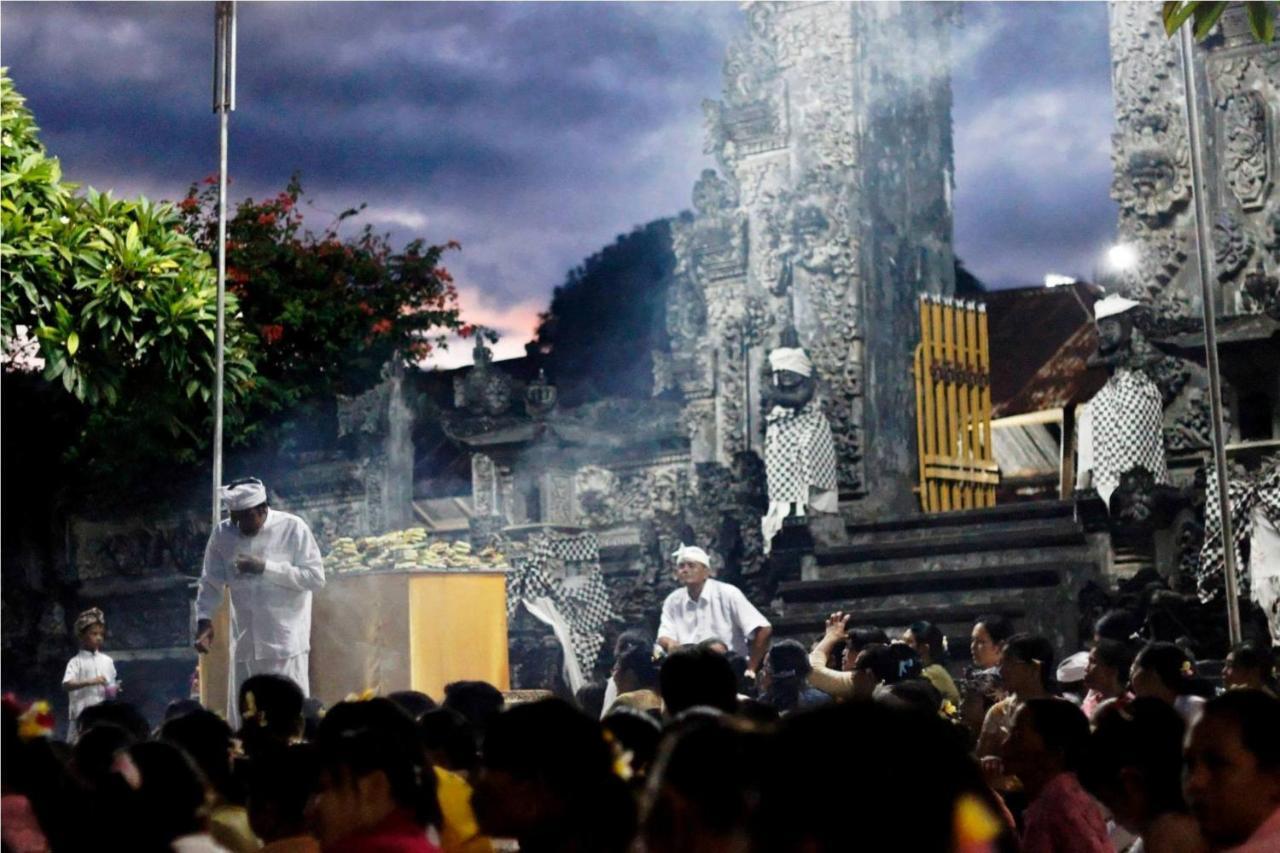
224, 101
1204, 247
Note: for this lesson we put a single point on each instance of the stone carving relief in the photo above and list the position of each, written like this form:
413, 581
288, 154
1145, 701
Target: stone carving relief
1150, 156
364, 414
606, 497
1191, 428
752, 118
1247, 162
1153, 167
1231, 246
557, 498
484, 485
1262, 293
715, 243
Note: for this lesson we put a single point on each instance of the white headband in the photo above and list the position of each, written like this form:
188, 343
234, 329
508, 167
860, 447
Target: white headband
692, 553
791, 358
244, 495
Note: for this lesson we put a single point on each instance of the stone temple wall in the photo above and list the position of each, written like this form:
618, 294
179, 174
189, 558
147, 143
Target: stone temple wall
830, 214
1238, 84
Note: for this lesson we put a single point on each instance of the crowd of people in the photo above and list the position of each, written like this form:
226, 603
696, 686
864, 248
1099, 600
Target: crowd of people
862, 741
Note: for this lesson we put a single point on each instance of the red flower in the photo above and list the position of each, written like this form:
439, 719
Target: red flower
189, 204
466, 331
442, 274
364, 306
267, 219
381, 327
272, 333
210, 179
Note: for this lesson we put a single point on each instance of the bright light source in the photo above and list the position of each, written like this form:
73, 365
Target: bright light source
1052, 279
1122, 257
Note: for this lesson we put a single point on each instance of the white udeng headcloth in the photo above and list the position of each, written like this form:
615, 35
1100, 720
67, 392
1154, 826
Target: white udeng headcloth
244, 495
1112, 305
791, 358
692, 553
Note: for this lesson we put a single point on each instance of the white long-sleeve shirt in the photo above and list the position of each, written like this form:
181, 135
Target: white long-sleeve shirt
270, 612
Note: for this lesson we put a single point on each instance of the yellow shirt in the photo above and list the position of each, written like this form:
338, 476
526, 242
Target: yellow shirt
229, 826
938, 676
460, 833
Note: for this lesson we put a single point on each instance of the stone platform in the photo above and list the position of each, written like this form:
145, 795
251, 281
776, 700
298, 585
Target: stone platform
1025, 561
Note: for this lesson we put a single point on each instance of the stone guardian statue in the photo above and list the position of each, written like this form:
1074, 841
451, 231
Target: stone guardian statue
1121, 428
799, 454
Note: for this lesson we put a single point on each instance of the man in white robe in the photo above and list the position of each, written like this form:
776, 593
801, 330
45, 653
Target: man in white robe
271, 564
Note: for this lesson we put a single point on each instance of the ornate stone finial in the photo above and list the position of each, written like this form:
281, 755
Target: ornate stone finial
484, 390
712, 195
540, 396
480, 353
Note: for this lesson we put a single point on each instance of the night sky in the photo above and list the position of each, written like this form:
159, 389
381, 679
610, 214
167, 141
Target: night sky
534, 133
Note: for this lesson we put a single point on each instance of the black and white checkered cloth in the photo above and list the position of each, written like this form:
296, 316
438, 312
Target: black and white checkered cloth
1245, 495
1128, 421
799, 457
553, 559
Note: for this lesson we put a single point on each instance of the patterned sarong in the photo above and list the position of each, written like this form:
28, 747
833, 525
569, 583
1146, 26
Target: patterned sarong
1255, 512
1127, 429
799, 459
581, 598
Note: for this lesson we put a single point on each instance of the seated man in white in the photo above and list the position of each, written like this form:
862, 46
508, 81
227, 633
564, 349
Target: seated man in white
703, 608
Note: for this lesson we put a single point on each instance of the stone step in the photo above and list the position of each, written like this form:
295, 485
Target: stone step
987, 528
1058, 533
954, 619
1028, 511
877, 584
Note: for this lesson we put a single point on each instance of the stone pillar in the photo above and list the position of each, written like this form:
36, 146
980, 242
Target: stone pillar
397, 485
831, 213
1238, 84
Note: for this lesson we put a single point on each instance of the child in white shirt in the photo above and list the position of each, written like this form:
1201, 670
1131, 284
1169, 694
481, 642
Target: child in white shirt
91, 675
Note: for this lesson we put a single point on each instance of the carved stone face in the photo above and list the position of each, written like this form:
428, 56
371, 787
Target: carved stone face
1115, 337
1134, 502
789, 379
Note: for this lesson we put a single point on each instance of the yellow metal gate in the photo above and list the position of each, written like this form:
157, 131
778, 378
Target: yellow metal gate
953, 406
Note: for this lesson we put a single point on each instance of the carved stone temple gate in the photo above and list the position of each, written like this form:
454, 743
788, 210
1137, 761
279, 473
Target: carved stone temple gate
830, 214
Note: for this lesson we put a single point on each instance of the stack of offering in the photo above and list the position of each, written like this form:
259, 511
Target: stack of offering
407, 549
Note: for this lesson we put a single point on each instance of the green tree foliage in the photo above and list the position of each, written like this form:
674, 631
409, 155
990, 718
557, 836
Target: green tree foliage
1203, 15
120, 301
328, 312
605, 321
